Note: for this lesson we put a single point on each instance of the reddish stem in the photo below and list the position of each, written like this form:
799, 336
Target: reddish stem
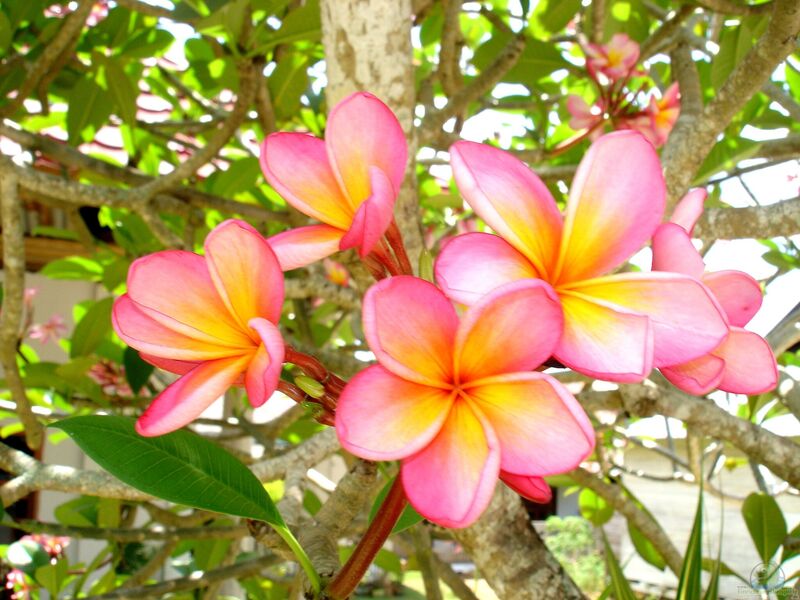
310, 365
374, 265
395, 239
346, 580
384, 255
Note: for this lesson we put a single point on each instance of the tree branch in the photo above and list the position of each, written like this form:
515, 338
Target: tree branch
13, 296
772, 220
131, 535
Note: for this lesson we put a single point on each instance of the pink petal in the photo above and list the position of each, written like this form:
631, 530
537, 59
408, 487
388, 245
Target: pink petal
380, 416
184, 400
373, 216
410, 326
472, 265
512, 200
615, 204
302, 246
749, 363
179, 367
296, 165
604, 341
174, 288
673, 251
451, 481
245, 272
738, 293
362, 132
515, 328
264, 371
581, 112
687, 321
137, 329
534, 489
689, 209
541, 427
698, 376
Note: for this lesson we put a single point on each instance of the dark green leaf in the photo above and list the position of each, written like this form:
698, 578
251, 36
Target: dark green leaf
92, 328
689, 583
137, 371
765, 522
180, 467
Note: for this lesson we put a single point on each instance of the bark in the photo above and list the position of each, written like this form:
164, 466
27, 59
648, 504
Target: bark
511, 556
368, 48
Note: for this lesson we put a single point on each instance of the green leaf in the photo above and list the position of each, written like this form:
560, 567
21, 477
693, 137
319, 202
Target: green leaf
689, 583
92, 328
80, 512
6, 33
89, 106
645, 547
303, 23
27, 556
122, 89
594, 508
73, 267
52, 576
765, 522
180, 467
791, 545
619, 585
551, 16
137, 371
287, 83
408, 518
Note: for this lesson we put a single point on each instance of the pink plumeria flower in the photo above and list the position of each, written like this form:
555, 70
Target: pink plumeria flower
664, 113
336, 272
457, 401
53, 329
615, 60
616, 327
583, 115
211, 319
349, 181
743, 363
110, 378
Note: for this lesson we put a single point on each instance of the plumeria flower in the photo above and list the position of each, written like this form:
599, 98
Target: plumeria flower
583, 115
743, 363
616, 326
664, 113
210, 319
349, 181
111, 378
336, 272
615, 60
53, 329
457, 401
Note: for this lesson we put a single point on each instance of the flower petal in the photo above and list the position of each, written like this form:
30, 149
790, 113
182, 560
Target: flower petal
245, 272
174, 288
472, 265
512, 200
451, 481
604, 341
534, 489
264, 371
749, 363
687, 321
302, 246
296, 165
541, 427
139, 330
673, 251
380, 416
698, 376
363, 132
179, 367
738, 293
410, 326
689, 209
515, 328
185, 399
615, 204
373, 216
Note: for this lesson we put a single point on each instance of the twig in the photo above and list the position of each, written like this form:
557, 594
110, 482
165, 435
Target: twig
421, 540
151, 566
730, 7
449, 73
772, 220
130, 535
13, 295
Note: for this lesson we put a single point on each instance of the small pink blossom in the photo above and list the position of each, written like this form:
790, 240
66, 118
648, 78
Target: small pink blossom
616, 59
336, 272
658, 119
17, 585
52, 329
583, 115
52, 544
110, 378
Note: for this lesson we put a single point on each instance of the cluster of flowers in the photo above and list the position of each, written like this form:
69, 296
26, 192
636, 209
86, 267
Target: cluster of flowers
611, 67
18, 584
457, 396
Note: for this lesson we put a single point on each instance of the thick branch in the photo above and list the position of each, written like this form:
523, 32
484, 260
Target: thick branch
772, 220
13, 296
131, 535
524, 569
307, 454
449, 73
729, 7
311, 287
692, 139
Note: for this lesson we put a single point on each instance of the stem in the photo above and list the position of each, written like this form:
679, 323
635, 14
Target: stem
395, 240
302, 557
346, 580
